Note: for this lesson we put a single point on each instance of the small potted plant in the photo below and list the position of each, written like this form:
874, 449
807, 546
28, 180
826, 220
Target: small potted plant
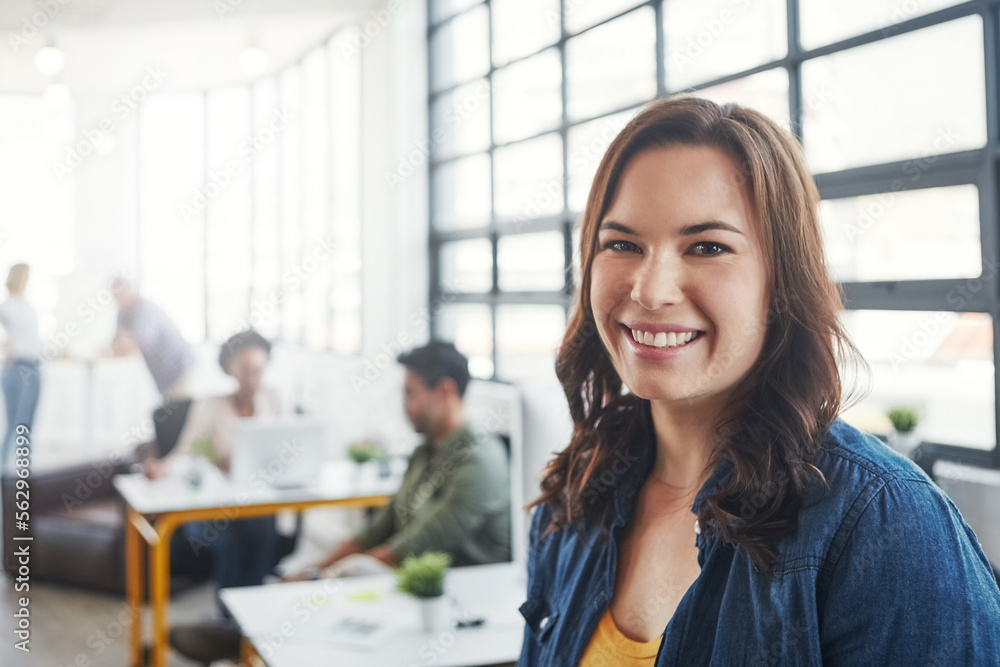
364, 451
903, 437
423, 578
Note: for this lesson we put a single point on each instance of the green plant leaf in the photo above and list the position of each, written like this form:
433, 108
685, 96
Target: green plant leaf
423, 576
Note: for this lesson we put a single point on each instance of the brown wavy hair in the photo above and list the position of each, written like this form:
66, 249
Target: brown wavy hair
775, 424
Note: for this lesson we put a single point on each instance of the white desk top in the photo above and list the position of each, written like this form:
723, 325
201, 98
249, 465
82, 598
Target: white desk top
291, 625
338, 480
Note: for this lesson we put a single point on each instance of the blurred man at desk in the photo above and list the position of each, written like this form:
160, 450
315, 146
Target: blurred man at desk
455, 495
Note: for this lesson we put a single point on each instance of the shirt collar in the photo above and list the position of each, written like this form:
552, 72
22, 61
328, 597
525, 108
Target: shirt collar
452, 439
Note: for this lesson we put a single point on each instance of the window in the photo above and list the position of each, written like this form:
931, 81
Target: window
254, 191
888, 99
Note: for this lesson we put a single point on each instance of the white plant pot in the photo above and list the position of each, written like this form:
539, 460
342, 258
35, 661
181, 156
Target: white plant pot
904, 443
434, 614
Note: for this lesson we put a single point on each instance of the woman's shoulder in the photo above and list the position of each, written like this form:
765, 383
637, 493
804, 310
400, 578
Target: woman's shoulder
848, 454
865, 483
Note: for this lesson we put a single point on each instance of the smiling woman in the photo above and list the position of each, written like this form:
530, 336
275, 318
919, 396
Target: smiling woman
711, 508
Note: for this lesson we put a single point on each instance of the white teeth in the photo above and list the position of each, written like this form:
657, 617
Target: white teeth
662, 339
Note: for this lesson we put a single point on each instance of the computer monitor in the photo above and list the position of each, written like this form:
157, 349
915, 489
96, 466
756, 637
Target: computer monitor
278, 452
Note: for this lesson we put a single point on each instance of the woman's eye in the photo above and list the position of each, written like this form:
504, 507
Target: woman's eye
621, 246
708, 249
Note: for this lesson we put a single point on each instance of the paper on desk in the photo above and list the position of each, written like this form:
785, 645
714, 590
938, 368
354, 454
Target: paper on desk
352, 630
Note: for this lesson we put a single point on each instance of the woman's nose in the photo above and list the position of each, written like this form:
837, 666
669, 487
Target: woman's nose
657, 282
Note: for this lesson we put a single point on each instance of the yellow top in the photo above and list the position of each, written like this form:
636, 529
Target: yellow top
608, 646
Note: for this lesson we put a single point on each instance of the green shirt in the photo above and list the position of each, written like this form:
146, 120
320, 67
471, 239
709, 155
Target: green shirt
454, 499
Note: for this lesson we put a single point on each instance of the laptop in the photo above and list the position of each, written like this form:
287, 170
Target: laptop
278, 452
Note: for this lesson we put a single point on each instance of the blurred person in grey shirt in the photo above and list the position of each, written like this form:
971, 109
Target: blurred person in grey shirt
20, 379
145, 326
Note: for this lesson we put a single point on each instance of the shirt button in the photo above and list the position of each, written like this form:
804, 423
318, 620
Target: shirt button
697, 527
542, 623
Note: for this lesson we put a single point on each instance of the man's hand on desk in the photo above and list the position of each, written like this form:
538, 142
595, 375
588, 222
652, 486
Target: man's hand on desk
154, 468
384, 554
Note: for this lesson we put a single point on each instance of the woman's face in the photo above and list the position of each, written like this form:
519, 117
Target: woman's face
679, 286
247, 367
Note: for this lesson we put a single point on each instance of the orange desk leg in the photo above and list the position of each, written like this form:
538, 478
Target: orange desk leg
248, 655
160, 588
133, 587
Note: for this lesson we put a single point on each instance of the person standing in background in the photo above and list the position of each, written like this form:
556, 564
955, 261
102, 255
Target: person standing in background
20, 379
145, 326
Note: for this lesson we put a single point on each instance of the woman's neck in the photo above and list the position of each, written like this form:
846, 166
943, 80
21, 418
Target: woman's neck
244, 404
685, 440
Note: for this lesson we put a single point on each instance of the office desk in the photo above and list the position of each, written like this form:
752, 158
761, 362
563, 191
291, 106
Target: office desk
156, 509
291, 625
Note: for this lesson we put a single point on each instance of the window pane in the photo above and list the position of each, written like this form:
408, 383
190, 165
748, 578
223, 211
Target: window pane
919, 234
316, 198
529, 179
527, 339
37, 185
521, 27
470, 327
913, 356
528, 97
345, 294
588, 142
766, 92
442, 9
581, 14
824, 22
612, 65
467, 266
460, 49
265, 309
290, 141
462, 193
707, 39
873, 104
529, 262
461, 120
172, 137
228, 228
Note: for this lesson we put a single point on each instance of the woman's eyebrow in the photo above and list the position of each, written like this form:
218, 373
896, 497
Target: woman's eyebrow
705, 226
617, 227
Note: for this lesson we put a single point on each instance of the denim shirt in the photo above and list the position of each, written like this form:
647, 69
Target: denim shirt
881, 569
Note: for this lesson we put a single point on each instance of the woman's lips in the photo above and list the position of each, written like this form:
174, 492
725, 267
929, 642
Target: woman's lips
660, 345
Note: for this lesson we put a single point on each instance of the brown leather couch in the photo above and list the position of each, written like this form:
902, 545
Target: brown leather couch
77, 518
78, 524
